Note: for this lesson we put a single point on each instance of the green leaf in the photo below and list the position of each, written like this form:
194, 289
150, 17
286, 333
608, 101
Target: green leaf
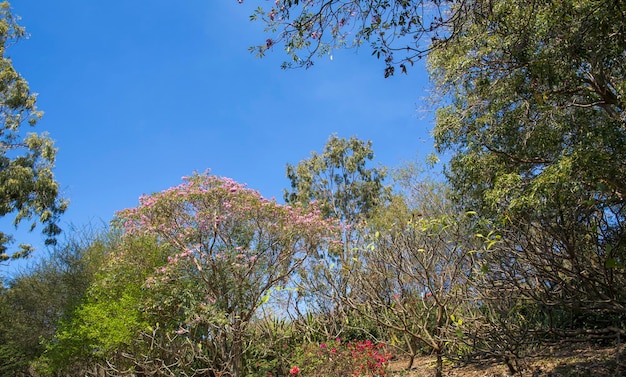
613, 263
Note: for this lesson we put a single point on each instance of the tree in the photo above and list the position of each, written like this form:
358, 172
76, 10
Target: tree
107, 322
534, 113
413, 276
35, 302
345, 188
196, 263
399, 32
340, 180
27, 185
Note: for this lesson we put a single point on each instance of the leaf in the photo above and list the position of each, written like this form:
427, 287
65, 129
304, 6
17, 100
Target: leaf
613, 263
265, 298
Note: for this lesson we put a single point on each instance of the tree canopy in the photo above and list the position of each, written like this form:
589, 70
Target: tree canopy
340, 180
535, 118
28, 189
196, 263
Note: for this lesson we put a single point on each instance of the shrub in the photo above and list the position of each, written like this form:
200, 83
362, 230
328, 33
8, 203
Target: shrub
337, 358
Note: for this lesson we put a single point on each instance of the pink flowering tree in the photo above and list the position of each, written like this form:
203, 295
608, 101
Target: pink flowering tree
229, 248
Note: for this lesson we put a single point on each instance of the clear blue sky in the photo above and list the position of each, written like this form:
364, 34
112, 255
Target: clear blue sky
137, 94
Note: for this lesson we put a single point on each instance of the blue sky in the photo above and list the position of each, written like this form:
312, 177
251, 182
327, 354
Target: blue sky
137, 94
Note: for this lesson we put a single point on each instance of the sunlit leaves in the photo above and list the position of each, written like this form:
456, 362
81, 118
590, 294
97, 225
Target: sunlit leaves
27, 186
340, 180
534, 115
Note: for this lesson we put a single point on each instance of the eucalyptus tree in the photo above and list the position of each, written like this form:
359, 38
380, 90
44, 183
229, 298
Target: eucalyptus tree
340, 179
342, 183
28, 190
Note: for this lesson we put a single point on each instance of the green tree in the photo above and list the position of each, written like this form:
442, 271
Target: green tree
27, 186
534, 113
342, 183
110, 316
340, 180
35, 302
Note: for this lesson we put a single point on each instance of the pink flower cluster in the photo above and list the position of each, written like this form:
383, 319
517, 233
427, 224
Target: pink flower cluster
201, 219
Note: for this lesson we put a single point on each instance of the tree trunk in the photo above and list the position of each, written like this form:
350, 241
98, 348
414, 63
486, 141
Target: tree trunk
237, 350
411, 360
509, 365
439, 366
439, 344
412, 349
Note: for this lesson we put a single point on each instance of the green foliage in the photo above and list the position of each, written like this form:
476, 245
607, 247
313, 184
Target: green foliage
27, 186
110, 316
104, 323
34, 302
340, 180
535, 102
272, 342
534, 113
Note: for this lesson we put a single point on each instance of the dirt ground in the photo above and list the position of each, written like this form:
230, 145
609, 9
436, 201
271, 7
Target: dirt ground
580, 361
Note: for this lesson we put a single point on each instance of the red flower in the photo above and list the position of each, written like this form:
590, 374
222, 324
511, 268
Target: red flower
294, 371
